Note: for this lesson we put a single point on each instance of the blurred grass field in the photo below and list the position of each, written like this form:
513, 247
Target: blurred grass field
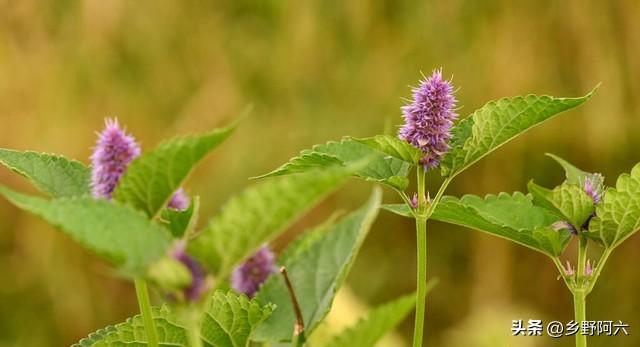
315, 71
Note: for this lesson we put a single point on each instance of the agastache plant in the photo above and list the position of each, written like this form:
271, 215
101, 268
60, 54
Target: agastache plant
546, 220
430, 139
130, 209
428, 121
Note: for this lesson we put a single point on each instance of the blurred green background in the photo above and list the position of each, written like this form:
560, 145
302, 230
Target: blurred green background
315, 71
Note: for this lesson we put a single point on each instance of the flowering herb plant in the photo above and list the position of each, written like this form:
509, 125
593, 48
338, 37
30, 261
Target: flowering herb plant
428, 140
546, 220
222, 285
132, 209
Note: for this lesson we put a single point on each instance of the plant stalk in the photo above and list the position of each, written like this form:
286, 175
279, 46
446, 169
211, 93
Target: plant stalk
299, 337
192, 318
580, 292
145, 309
421, 237
579, 306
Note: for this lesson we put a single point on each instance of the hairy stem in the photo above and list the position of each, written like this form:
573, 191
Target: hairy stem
421, 237
145, 309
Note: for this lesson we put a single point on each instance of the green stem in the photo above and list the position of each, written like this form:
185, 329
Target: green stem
421, 237
299, 340
193, 325
580, 291
145, 310
582, 259
579, 306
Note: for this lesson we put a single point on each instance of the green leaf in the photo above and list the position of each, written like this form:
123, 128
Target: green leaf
380, 167
568, 201
151, 179
228, 321
317, 268
132, 332
375, 325
513, 217
574, 175
119, 234
393, 146
52, 174
231, 319
618, 214
258, 214
180, 223
498, 122
399, 209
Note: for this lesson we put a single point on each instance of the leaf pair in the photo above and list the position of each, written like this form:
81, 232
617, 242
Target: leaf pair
485, 130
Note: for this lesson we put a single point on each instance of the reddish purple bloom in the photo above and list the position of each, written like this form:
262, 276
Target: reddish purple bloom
249, 276
594, 187
198, 276
429, 118
179, 201
114, 150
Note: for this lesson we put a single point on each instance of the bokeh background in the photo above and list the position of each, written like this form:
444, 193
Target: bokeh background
316, 70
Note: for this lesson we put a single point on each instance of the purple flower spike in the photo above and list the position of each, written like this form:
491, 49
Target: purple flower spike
594, 187
114, 150
198, 276
429, 118
249, 276
179, 201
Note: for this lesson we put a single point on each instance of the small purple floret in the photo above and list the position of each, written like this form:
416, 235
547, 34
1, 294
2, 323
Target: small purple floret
588, 268
114, 150
179, 201
563, 224
414, 201
569, 270
249, 276
198, 276
594, 187
429, 118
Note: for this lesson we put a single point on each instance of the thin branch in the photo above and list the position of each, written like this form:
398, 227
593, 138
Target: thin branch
299, 326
